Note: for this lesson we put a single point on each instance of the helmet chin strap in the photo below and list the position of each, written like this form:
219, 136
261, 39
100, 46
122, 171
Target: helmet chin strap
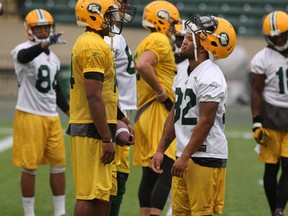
195, 47
278, 48
38, 40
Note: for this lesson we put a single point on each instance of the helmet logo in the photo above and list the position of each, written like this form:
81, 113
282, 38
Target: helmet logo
94, 8
163, 14
223, 39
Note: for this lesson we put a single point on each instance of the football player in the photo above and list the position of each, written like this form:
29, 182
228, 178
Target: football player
155, 68
93, 108
269, 106
197, 120
182, 64
127, 99
37, 136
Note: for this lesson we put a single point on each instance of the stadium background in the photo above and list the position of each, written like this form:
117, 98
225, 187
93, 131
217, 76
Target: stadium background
245, 15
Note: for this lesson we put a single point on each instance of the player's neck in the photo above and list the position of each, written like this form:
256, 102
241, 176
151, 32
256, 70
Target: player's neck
193, 64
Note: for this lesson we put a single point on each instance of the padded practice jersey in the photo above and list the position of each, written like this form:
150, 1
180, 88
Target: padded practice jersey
165, 69
275, 66
206, 83
36, 80
92, 54
125, 73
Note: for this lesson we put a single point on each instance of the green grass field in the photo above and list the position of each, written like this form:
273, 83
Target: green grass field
244, 192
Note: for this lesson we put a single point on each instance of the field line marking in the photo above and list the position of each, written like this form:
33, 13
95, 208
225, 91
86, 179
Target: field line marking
236, 134
6, 143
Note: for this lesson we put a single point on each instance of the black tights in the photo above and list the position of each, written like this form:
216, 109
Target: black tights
154, 188
276, 193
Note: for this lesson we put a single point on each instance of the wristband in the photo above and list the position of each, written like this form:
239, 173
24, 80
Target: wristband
257, 122
256, 125
257, 119
107, 141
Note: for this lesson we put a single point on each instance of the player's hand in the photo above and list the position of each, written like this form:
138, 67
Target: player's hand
108, 152
180, 166
261, 135
131, 137
54, 39
156, 162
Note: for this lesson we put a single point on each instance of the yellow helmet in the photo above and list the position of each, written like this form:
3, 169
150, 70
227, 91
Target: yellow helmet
217, 35
98, 14
180, 28
161, 16
38, 17
127, 11
275, 24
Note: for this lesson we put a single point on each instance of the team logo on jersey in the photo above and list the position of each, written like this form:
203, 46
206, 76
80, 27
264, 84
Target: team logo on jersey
163, 14
94, 8
223, 39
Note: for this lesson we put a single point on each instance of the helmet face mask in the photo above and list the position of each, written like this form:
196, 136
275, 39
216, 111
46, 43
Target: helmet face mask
127, 11
99, 15
37, 18
216, 34
113, 20
275, 30
41, 32
179, 36
204, 25
280, 40
161, 16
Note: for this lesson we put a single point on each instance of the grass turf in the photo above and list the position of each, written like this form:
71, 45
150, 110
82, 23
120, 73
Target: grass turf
244, 192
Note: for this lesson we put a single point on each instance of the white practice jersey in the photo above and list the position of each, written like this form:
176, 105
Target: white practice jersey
125, 73
206, 83
275, 67
36, 81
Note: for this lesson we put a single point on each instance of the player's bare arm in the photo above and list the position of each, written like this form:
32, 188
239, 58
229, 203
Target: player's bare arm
145, 68
166, 139
98, 115
258, 83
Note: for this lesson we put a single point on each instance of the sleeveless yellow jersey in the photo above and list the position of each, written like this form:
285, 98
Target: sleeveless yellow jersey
165, 69
91, 53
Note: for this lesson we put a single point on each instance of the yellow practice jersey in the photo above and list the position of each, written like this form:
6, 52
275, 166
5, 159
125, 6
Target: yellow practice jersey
91, 53
165, 68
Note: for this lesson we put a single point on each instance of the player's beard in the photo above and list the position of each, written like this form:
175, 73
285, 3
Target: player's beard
187, 53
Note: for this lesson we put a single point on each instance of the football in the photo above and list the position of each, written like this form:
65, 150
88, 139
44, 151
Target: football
122, 133
1, 9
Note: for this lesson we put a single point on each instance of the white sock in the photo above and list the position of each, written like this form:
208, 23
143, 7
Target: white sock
28, 205
59, 205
